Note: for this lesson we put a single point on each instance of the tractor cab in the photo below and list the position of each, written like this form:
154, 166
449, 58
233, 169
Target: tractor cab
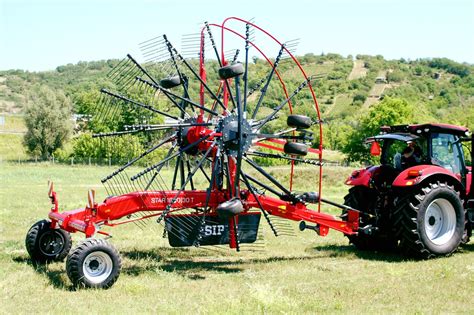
415, 147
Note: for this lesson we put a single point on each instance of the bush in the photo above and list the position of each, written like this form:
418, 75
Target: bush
359, 97
395, 76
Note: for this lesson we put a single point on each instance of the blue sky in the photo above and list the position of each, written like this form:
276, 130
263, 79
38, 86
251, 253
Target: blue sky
43, 34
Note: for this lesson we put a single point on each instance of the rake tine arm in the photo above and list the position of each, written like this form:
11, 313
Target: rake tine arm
170, 94
138, 104
269, 79
256, 181
170, 151
183, 186
166, 140
186, 148
186, 63
265, 213
245, 78
279, 107
175, 64
268, 176
283, 157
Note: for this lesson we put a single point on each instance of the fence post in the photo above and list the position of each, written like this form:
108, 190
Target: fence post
110, 161
72, 161
89, 161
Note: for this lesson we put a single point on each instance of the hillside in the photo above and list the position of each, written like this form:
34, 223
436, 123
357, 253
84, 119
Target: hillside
438, 89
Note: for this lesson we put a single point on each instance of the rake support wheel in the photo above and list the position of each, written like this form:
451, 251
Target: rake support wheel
45, 244
94, 264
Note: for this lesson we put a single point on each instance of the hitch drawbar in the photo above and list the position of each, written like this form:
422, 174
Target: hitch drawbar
352, 215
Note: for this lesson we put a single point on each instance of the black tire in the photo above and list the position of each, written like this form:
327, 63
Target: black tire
231, 71
430, 221
45, 244
359, 198
299, 121
95, 263
295, 148
230, 208
171, 82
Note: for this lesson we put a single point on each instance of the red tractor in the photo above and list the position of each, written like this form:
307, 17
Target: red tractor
420, 198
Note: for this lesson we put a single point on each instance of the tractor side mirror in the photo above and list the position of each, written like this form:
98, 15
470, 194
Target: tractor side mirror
375, 149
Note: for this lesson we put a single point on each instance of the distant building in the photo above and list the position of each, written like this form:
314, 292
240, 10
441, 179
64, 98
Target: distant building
380, 80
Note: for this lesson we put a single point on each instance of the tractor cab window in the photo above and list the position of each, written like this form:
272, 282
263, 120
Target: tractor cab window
401, 154
445, 152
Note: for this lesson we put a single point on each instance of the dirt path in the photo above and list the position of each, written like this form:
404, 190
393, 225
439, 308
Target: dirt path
374, 94
358, 70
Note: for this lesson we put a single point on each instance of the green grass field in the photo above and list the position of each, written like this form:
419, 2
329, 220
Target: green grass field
300, 274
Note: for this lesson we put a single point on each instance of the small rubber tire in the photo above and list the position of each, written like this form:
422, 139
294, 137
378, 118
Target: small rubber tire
295, 148
95, 263
45, 244
230, 208
299, 121
171, 82
231, 71
430, 221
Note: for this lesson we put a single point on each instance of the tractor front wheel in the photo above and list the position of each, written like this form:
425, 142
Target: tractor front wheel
430, 221
45, 244
94, 264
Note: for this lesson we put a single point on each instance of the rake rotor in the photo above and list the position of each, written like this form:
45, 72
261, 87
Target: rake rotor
209, 116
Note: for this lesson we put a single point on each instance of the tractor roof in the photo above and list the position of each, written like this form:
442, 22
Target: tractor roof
418, 129
405, 137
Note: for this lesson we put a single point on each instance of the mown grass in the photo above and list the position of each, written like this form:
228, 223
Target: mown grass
300, 274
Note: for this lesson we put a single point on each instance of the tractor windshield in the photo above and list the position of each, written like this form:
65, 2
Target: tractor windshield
446, 152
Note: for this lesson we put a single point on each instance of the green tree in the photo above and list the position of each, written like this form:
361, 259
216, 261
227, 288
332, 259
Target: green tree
391, 111
48, 119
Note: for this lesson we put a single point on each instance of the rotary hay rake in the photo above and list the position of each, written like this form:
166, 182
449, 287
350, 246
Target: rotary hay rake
213, 130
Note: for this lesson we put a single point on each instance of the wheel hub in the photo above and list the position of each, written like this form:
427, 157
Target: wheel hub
432, 220
51, 243
97, 267
230, 137
440, 221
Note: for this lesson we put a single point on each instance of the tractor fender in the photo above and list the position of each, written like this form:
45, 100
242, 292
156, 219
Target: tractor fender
419, 174
362, 177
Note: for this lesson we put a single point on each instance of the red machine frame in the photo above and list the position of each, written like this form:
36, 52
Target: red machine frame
90, 219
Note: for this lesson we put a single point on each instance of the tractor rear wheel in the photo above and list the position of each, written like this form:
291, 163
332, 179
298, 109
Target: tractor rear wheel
430, 221
45, 244
94, 264
359, 199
